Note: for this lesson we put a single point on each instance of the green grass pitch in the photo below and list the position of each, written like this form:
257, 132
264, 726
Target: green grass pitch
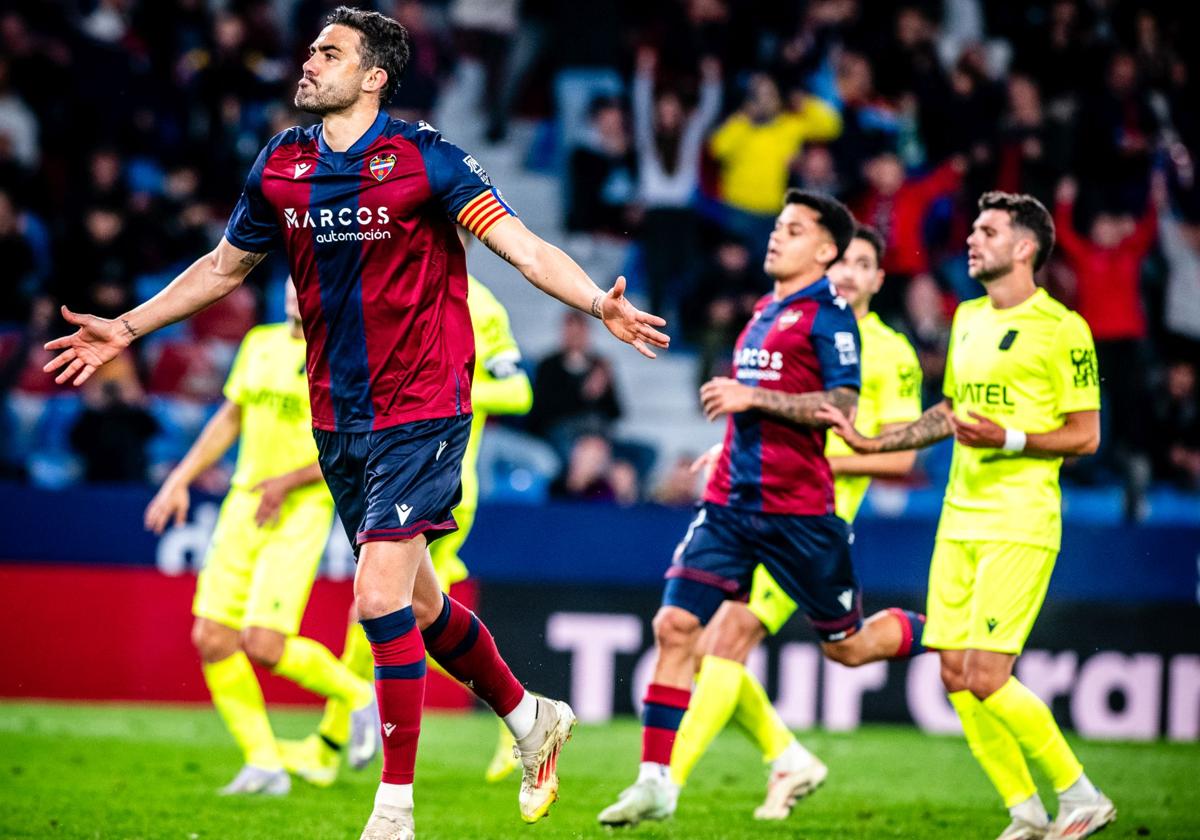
102, 771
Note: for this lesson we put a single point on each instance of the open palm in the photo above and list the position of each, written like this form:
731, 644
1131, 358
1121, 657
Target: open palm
97, 341
630, 324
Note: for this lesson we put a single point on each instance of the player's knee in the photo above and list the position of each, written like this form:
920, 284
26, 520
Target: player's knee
738, 634
264, 647
952, 676
213, 641
369, 603
984, 682
426, 606
675, 629
849, 652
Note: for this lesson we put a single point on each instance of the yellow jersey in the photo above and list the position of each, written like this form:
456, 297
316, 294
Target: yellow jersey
269, 384
754, 156
891, 393
499, 385
1025, 368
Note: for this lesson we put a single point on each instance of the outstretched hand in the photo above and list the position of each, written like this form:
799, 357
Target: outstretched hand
843, 426
97, 341
630, 324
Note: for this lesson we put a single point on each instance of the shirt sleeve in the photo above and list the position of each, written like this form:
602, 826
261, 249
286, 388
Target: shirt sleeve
836, 342
253, 225
1073, 369
235, 386
900, 388
461, 185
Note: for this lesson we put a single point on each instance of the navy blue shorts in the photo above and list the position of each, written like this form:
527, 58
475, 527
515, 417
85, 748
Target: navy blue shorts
394, 483
809, 557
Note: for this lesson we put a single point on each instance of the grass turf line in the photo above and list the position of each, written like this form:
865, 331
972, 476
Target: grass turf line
112, 771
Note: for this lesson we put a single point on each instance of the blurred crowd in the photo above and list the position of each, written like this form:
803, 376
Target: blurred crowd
126, 128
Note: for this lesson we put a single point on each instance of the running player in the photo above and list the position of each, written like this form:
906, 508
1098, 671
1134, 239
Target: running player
1022, 392
364, 207
499, 386
891, 395
273, 527
770, 499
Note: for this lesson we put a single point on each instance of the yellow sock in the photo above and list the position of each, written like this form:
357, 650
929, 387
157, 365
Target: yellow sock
356, 655
756, 715
994, 748
310, 665
713, 701
238, 697
1030, 721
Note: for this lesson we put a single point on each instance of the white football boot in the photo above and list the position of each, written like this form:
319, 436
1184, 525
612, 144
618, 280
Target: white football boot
538, 752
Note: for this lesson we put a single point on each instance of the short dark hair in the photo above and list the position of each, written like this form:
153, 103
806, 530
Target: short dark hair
1028, 213
873, 238
831, 215
384, 43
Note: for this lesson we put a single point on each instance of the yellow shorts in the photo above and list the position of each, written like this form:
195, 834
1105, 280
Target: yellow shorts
261, 577
444, 552
985, 595
769, 603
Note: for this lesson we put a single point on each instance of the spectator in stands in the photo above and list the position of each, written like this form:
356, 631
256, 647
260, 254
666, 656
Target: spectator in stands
682, 485
574, 392
1117, 135
97, 272
1108, 268
1032, 149
603, 174
1177, 426
897, 205
669, 142
594, 475
754, 148
18, 124
431, 61
112, 432
20, 283
1180, 242
721, 304
869, 122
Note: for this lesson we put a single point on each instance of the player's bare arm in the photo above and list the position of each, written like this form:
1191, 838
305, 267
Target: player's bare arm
880, 465
935, 424
99, 340
275, 491
1078, 435
722, 395
171, 502
556, 274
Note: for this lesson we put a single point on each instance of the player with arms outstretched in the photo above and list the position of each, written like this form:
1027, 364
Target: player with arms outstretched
269, 538
891, 395
499, 386
770, 499
1021, 393
364, 207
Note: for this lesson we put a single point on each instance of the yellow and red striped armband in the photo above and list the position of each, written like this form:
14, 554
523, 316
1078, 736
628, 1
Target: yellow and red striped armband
482, 212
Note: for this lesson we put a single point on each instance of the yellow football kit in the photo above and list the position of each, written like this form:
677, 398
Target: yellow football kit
261, 577
499, 386
1025, 368
891, 393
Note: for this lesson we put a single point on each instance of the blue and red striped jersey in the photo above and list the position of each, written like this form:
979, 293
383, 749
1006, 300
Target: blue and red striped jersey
379, 270
806, 342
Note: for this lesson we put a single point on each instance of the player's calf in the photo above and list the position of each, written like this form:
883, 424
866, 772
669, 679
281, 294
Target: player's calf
890, 634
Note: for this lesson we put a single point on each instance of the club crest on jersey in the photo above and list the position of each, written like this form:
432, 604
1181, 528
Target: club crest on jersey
789, 319
381, 165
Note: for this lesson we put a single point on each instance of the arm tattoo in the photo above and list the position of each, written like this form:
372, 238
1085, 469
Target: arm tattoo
251, 260
930, 427
802, 408
597, 312
498, 251
129, 328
